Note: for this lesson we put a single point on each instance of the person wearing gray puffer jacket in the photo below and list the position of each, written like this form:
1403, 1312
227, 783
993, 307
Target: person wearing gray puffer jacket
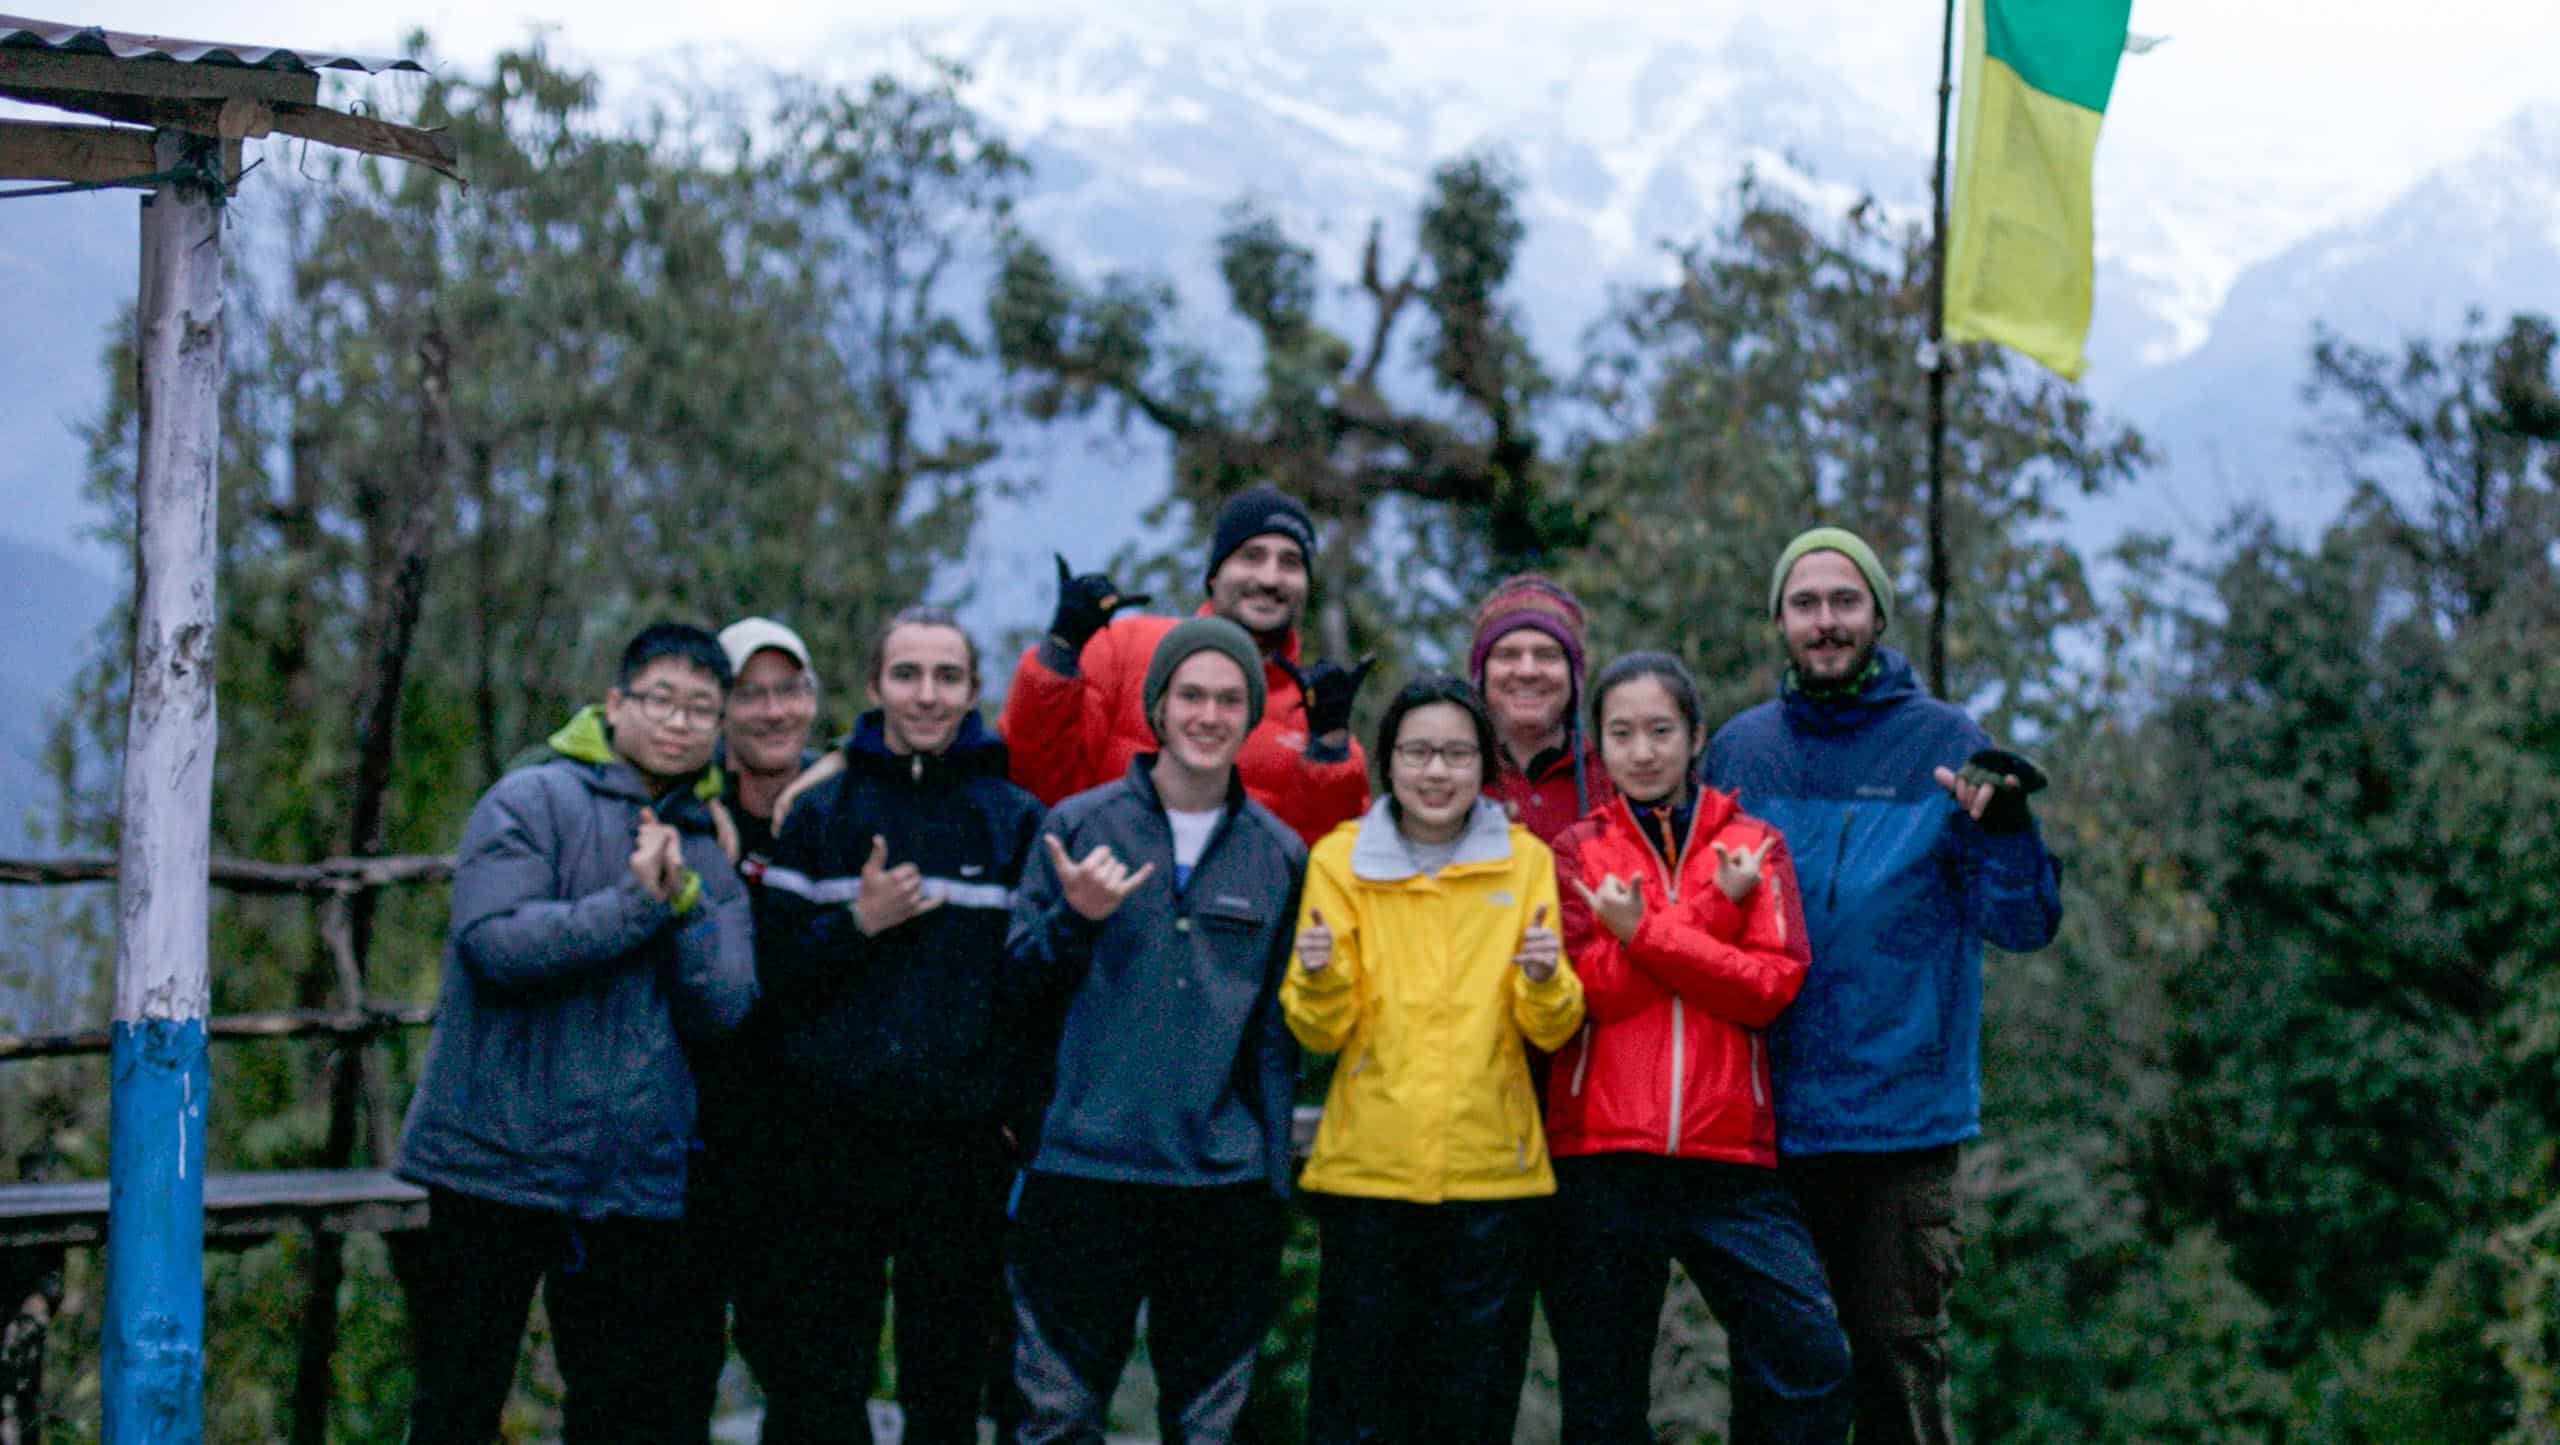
598, 929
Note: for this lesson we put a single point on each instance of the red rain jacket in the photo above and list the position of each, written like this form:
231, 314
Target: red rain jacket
1068, 734
1670, 1059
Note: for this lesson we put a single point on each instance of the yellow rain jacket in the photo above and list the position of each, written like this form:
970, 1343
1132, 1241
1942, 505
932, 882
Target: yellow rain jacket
1431, 1098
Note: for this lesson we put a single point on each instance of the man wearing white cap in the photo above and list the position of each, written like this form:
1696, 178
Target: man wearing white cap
766, 741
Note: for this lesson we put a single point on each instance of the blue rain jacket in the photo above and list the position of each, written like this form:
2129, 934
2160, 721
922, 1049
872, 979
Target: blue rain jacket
1882, 1049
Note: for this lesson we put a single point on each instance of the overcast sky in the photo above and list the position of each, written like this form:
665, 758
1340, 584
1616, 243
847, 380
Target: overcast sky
2394, 79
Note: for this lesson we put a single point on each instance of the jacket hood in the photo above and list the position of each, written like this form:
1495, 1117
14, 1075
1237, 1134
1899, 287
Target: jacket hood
974, 751
1890, 682
584, 738
1380, 854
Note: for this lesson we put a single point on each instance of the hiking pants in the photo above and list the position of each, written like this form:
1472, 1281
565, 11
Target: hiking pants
1886, 1226
1082, 1257
817, 1251
1621, 1219
628, 1306
1422, 1320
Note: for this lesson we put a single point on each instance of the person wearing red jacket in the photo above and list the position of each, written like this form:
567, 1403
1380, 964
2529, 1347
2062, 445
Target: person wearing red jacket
1527, 662
1075, 714
1681, 916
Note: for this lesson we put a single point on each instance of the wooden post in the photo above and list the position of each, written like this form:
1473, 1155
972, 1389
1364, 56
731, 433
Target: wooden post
152, 1359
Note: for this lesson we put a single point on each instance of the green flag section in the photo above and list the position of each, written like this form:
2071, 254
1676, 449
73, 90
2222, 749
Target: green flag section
2019, 230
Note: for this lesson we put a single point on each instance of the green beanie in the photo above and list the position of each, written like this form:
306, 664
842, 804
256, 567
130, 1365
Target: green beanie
1206, 634
1848, 544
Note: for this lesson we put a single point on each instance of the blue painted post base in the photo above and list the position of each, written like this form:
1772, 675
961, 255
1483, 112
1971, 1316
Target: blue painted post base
151, 1362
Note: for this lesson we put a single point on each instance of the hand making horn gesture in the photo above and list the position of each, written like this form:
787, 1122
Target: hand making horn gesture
1540, 948
889, 896
1315, 943
657, 857
1096, 884
1617, 904
1738, 869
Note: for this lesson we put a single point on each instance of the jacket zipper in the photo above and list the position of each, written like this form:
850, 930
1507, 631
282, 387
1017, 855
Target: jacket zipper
1582, 1061
1679, 1015
1839, 860
1759, 1092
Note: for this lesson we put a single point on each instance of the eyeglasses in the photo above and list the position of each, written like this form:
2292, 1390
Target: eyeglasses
1456, 755
663, 708
792, 691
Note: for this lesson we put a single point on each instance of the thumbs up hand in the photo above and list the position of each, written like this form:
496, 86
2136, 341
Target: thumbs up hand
889, 896
1540, 948
1315, 944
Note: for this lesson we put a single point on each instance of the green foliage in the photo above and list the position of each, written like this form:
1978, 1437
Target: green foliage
474, 438
1778, 383
1443, 491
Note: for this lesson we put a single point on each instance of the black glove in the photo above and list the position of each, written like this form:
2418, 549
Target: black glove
1085, 605
1326, 690
2007, 810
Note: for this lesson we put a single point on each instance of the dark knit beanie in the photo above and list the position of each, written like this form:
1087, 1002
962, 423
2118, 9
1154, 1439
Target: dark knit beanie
1205, 634
1531, 601
1252, 513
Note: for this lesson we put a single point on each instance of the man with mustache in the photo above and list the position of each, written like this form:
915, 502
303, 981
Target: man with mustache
1913, 846
1076, 712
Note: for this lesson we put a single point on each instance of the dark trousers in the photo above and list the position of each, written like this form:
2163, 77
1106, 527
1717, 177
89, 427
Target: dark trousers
1422, 1321
1085, 1253
813, 1253
1886, 1226
628, 1308
1621, 1219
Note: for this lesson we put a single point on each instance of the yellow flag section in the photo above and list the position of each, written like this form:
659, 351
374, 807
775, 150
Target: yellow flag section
2036, 78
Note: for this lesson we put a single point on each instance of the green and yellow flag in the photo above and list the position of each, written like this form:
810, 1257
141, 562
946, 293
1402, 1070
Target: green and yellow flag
2036, 77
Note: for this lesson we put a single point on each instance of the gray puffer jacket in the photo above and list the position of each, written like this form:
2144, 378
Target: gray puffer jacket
556, 1077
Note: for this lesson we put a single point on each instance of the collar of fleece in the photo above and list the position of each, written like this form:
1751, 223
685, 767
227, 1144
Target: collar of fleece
1380, 854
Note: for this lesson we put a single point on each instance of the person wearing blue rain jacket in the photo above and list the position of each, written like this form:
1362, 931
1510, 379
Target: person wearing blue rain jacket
1910, 856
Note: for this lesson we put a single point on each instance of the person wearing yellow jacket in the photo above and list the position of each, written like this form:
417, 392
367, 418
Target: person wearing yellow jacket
1427, 956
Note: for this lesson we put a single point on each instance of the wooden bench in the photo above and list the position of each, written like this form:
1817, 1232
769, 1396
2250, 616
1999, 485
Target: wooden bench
241, 1211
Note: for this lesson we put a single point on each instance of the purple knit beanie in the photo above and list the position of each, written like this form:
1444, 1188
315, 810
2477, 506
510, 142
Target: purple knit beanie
1528, 600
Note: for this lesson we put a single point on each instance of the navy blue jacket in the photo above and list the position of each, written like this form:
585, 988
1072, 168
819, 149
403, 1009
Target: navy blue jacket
1882, 1048
914, 1027
1174, 1065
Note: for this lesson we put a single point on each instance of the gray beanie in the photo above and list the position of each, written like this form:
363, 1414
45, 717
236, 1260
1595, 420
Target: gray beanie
1206, 634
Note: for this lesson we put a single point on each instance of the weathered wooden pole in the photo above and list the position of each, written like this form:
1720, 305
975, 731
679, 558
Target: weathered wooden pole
152, 1359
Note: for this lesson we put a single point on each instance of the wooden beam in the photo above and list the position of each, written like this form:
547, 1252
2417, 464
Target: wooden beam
430, 148
361, 1023
54, 70
333, 875
84, 154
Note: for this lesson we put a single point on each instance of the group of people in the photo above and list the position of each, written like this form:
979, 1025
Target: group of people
1006, 1023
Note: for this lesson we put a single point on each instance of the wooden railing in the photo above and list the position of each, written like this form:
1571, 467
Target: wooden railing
39, 1219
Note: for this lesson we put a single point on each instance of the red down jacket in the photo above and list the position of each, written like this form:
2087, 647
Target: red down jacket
1670, 1058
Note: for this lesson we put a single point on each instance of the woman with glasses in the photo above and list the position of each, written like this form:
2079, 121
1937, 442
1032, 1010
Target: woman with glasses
1681, 913
1427, 957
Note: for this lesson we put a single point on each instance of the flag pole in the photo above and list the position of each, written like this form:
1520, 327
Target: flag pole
1939, 580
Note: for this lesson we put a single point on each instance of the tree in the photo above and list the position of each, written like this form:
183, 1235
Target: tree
474, 438
1456, 478
1778, 383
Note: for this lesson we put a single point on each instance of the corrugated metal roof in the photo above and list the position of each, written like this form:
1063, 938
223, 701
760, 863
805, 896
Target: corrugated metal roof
22, 33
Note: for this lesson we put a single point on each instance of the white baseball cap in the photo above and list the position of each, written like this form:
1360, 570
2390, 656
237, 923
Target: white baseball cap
748, 636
